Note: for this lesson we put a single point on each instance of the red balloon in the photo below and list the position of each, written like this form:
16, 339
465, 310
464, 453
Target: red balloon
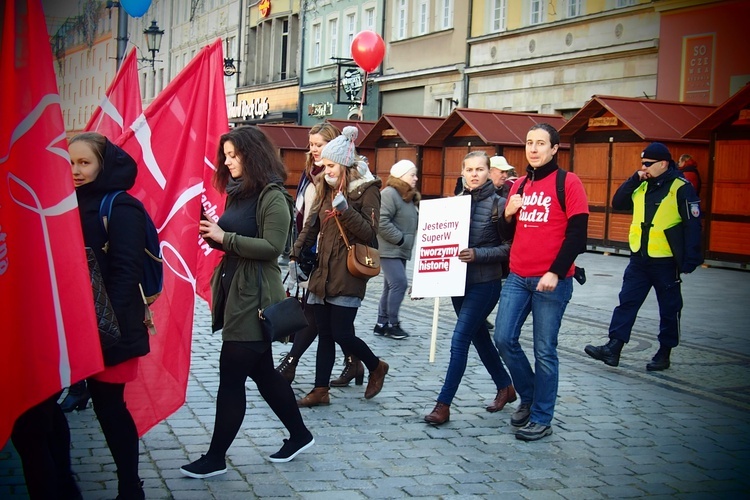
368, 50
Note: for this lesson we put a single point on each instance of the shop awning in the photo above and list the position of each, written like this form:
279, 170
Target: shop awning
413, 130
504, 128
287, 136
363, 126
726, 114
651, 120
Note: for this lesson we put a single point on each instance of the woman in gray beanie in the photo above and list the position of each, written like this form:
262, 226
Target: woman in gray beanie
350, 193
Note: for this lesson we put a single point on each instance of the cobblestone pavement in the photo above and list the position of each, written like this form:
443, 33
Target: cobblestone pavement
618, 432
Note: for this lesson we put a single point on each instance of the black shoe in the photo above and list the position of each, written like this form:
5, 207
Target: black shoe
609, 352
660, 361
205, 467
291, 449
395, 332
533, 431
77, 397
521, 416
379, 329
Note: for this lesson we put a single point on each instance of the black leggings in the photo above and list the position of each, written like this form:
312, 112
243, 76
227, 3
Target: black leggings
41, 437
336, 326
238, 361
304, 338
118, 428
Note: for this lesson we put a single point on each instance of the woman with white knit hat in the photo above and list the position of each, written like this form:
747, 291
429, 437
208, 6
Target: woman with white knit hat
398, 227
350, 194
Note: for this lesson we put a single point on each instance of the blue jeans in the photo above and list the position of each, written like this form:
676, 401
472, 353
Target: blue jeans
394, 289
518, 299
472, 310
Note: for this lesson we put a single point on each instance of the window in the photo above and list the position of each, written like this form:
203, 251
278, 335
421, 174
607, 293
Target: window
446, 14
230, 46
351, 31
574, 8
537, 12
499, 15
333, 34
316, 32
625, 3
423, 14
284, 48
401, 19
369, 23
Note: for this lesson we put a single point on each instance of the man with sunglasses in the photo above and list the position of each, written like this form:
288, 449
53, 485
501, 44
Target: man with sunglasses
665, 240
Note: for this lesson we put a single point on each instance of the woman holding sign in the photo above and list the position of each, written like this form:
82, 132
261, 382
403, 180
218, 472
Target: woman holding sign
486, 258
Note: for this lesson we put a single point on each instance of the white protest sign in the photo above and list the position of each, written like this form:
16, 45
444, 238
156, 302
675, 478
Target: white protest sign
442, 232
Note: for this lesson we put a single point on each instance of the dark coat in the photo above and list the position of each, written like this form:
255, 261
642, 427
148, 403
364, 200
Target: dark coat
331, 278
122, 264
491, 253
398, 220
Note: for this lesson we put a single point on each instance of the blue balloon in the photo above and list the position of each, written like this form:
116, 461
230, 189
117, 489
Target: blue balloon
135, 8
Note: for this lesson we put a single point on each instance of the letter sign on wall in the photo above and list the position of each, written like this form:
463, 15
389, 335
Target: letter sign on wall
697, 73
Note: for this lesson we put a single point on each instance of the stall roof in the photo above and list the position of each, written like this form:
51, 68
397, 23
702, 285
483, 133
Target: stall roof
724, 114
288, 136
414, 130
650, 119
364, 128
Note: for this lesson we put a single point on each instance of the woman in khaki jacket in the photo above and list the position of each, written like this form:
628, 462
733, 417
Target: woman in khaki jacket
352, 194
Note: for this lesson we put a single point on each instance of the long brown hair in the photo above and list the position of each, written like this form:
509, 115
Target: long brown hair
328, 132
261, 163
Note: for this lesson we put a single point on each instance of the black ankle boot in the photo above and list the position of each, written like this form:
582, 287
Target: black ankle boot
288, 368
77, 398
609, 352
130, 491
660, 361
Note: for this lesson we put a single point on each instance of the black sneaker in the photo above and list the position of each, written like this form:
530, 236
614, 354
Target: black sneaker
395, 332
205, 467
379, 329
291, 449
533, 431
521, 416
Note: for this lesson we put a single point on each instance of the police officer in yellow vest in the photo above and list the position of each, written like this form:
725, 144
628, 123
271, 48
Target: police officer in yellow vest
665, 240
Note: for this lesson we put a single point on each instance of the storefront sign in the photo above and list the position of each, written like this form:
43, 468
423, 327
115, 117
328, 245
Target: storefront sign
254, 109
264, 8
603, 121
697, 68
320, 110
350, 80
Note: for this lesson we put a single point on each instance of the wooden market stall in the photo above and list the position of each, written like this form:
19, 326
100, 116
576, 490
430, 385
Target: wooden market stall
494, 132
364, 128
727, 192
293, 143
606, 139
397, 137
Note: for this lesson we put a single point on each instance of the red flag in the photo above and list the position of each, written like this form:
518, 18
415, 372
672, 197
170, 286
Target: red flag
121, 105
175, 143
49, 334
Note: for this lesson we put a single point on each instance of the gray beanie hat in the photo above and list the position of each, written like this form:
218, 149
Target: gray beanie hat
341, 149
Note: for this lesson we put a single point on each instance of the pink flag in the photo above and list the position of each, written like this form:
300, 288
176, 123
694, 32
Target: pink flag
49, 334
175, 143
121, 104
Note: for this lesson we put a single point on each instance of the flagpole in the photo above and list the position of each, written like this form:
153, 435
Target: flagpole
122, 33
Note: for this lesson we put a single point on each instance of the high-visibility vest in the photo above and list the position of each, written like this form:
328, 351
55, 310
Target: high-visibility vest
666, 216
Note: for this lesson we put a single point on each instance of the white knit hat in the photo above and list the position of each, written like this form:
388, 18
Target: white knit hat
341, 149
500, 163
402, 167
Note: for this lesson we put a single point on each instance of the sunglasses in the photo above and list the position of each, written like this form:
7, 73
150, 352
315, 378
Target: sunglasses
649, 163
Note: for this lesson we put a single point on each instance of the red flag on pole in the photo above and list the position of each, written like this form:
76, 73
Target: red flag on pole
50, 336
175, 143
121, 105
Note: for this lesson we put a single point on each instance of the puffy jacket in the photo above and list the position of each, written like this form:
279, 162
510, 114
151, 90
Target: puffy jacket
490, 252
398, 220
122, 264
274, 215
331, 278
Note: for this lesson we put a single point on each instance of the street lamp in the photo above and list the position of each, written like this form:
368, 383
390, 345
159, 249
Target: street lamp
153, 41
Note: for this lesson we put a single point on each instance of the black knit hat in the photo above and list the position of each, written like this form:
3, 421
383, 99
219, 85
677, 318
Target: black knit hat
656, 151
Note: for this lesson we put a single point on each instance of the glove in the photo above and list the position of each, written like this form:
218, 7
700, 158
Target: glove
339, 202
295, 272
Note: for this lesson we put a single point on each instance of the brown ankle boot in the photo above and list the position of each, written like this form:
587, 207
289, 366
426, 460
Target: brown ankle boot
353, 369
316, 397
288, 368
375, 383
439, 415
504, 395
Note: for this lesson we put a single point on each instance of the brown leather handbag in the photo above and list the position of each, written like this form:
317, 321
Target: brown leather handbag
362, 261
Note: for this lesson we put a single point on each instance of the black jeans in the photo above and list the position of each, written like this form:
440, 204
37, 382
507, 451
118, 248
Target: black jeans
42, 438
238, 361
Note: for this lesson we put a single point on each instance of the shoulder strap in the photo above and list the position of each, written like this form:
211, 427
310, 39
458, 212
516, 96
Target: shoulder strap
560, 183
105, 208
494, 217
